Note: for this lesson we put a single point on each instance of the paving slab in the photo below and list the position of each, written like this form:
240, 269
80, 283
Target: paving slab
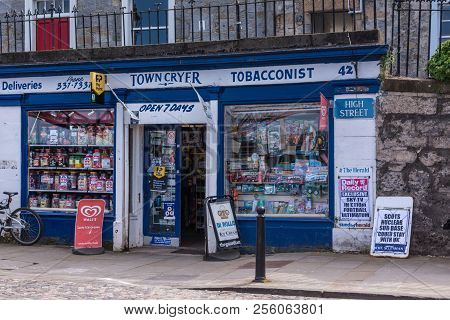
149, 267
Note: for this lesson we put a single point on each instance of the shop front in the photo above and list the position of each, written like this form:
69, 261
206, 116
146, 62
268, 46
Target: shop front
264, 134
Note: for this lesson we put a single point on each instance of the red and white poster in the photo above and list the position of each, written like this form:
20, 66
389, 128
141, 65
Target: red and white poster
323, 123
355, 202
89, 224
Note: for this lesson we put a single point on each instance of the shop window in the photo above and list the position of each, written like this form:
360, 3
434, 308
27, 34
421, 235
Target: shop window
150, 22
276, 156
70, 157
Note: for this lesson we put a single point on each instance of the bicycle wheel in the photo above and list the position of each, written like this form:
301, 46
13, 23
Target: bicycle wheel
26, 226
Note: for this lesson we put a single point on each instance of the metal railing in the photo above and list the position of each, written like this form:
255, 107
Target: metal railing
417, 31
231, 20
412, 28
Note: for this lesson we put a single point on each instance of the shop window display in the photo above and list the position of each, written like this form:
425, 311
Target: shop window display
278, 156
70, 157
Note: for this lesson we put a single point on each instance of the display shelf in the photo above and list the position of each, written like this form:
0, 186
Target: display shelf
70, 169
70, 145
60, 209
69, 191
263, 183
251, 196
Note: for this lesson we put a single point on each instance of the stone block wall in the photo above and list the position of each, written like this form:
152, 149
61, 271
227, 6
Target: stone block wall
413, 151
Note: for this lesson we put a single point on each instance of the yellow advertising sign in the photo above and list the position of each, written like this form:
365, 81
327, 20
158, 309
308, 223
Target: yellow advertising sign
98, 81
159, 172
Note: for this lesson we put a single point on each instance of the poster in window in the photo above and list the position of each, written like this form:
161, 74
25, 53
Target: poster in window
158, 179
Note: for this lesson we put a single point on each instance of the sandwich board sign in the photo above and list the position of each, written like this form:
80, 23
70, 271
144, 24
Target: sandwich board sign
224, 222
89, 227
391, 236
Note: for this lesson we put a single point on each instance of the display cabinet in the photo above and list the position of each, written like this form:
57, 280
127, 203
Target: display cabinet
70, 157
278, 157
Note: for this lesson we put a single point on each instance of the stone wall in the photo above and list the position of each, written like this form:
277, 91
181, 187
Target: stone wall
413, 150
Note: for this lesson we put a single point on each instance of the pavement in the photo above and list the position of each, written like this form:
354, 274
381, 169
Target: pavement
52, 272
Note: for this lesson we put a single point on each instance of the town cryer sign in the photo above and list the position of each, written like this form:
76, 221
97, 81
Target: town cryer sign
199, 78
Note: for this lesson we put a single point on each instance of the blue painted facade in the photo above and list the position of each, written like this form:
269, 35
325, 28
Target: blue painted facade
293, 233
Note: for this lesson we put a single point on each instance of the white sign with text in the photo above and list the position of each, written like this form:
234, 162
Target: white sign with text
169, 112
355, 197
392, 227
200, 78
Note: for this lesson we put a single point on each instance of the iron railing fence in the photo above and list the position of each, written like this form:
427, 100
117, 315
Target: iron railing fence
412, 28
231, 20
418, 29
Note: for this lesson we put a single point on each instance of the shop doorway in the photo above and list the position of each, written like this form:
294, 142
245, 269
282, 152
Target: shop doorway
193, 166
174, 185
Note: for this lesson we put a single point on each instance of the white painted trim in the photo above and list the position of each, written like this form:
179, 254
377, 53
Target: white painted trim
171, 21
127, 34
211, 172
434, 32
120, 230
136, 225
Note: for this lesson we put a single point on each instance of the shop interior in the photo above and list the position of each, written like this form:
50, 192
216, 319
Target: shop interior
193, 154
162, 149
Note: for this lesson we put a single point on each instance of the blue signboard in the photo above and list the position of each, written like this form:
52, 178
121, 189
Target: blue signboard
354, 108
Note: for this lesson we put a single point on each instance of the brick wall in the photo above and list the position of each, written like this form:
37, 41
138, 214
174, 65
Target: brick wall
413, 151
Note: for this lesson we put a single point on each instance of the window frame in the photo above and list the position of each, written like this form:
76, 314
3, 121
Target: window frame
128, 39
435, 27
30, 33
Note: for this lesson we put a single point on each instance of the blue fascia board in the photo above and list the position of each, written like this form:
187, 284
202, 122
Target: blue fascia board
212, 61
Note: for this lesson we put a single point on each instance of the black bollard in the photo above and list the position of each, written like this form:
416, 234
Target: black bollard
260, 270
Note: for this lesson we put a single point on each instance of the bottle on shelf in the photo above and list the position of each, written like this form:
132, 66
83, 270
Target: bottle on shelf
52, 160
96, 159
82, 136
82, 182
60, 158
91, 135
106, 161
73, 180
92, 181
43, 157
101, 183
55, 200
73, 135
88, 160
63, 181
99, 138
109, 184
43, 135
53, 135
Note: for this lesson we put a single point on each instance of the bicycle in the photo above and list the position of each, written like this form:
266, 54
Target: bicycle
24, 225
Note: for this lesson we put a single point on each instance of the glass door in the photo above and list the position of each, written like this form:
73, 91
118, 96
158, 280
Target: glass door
161, 185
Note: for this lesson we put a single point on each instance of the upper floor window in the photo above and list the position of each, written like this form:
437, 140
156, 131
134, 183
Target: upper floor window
150, 21
445, 22
45, 6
